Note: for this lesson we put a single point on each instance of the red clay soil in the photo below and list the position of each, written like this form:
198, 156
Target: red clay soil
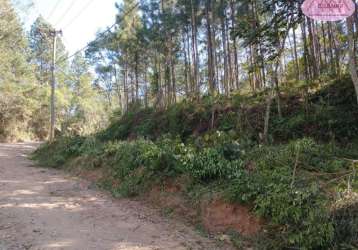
168, 196
220, 216
217, 216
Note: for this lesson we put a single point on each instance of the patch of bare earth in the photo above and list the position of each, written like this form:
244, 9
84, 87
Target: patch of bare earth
214, 214
218, 216
47, 209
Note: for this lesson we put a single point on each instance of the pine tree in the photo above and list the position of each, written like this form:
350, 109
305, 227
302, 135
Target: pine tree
41, 49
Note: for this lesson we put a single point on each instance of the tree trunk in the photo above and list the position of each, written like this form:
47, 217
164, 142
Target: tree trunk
225, 56
267, 117
253, 69
191, 77
216, 62
277, 89
313, 55
186, 66
172, 71
211, 72
248, 61
336, 50
125, 88
324, 44
254, 48
146, 88
236, 60
280, 50
352, 56
330, 49
118, 88
305, 53
262, 66
195, 50
317, 47
296, 55
230, 68
136, 78
356, 24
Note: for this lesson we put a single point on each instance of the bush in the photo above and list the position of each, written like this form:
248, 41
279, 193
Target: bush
210, 164
301, 212
91, 146
294, 202
345, 221
133, 166
58, 152
279, 182
124, 158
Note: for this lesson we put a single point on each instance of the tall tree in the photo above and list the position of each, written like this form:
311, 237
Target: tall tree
41, 49
352, 54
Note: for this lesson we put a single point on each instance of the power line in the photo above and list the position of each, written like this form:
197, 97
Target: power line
36, 9
78, 14
72, 78
66, 12
65, 40
88, 44
53, 9
100, 34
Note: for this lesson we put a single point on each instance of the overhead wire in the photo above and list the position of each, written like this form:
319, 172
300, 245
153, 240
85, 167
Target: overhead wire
100, 34
78, 14
38, 13
66, 43
69, 77
53, 9
65, 13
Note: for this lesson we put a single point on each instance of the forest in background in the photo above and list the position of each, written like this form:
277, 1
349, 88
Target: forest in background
26, 61
159, 53
245, 100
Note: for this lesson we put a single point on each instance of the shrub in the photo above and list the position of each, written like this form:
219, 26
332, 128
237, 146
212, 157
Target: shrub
279, 182
58, 152
301, 212
293, 201
91, 146
125, 158
210, 164
345, 221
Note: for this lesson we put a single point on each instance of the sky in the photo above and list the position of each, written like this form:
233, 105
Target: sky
79, 20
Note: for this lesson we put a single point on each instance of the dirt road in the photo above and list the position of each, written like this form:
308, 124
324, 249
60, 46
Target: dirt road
47, 209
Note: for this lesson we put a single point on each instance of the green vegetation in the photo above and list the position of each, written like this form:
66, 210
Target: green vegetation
303, 187
247, 99
322, 119
25, 69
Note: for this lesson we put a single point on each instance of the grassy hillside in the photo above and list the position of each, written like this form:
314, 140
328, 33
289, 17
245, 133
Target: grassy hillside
321, 118
303, 184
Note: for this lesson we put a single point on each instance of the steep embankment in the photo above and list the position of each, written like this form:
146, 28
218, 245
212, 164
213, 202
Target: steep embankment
297, 192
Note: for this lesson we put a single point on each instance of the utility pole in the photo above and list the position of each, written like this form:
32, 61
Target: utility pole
53, 34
